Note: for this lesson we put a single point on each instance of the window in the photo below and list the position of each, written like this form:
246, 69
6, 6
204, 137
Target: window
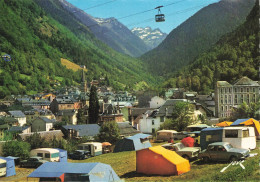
221, 148
235, 99
235, 89
231, 133
241, 89
245, 133
47, 155
153, 130
40, 154
242, 98
253, 89
226, 99
152, 122
55, 155
161, 119
229, 99
247, 89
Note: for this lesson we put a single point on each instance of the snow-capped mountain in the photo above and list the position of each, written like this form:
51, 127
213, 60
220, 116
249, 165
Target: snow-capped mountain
152, 38
109, 31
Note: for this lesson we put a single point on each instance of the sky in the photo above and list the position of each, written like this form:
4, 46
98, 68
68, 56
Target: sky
141, 13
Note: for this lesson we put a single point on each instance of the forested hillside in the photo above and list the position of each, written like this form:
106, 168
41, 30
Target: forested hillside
197, 35
235, 55
37, 41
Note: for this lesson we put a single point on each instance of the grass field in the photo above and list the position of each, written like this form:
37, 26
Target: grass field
71, 65
124, 164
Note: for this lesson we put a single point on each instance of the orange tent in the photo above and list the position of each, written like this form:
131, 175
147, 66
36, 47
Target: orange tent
160, 161
253, 122
224, 123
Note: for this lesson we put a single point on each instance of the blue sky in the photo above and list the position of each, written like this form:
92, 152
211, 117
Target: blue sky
176, 11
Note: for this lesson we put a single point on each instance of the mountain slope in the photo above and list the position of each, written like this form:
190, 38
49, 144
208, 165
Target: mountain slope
152, 38
110, 31
196, 35
36, 39
235, 55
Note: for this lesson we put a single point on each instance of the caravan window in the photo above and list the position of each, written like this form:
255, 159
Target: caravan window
2, 165
55, 155
212, 138
245, 133
47, 155
231, 133
40, 154
80, 147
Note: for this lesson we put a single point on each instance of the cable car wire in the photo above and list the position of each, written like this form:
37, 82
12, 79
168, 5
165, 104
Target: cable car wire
134, 14
98, 5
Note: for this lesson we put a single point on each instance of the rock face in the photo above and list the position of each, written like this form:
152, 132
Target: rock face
152, 38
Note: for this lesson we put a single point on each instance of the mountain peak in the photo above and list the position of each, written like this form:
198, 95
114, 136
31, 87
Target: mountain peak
151, 37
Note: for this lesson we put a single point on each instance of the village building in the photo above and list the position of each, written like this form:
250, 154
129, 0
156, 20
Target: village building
78, 131
228, 96
69, 116
64, 103
42, 124
110, 113
19, 116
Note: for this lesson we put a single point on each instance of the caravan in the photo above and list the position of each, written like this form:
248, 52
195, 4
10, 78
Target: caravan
95, 148
48, 154
2, 167
240, 137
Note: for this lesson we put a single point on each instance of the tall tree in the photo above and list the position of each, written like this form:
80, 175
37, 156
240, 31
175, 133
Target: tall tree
93, 111
109, 132
181, 117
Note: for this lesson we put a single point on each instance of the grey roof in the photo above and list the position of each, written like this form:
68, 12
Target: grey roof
204, 97
17, 114
223, 84
68, 112
18, 128
246, 81
167, 108
126, 129
47, 120
85, 129
138, 111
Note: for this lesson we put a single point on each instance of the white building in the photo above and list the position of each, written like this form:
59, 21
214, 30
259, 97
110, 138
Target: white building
19, 116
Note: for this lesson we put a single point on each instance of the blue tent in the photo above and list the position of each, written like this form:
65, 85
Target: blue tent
238, 121
10, 166
75, 172
210, 135
63, 155
136, 142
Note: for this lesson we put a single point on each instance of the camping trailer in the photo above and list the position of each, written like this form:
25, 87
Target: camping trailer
210, 135
165, 135
2, 167
48, 154
240, 137
95, 148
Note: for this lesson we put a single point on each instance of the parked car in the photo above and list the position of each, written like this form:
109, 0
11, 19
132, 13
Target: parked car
186, 152
79, 155
223, 151
32, 162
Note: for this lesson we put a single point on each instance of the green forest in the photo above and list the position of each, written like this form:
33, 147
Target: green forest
36, 41
234, 55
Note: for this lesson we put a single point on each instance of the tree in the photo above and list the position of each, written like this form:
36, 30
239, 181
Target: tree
181, 117
93, 111
36, 141
17, 149
109, 132
245, 111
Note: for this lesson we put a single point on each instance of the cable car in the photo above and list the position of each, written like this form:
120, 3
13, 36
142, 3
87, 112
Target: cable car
159, 17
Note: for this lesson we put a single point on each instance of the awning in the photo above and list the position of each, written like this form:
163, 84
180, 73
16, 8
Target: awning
224, 123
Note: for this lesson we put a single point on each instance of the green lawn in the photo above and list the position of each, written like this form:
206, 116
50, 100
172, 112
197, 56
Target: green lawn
124, 164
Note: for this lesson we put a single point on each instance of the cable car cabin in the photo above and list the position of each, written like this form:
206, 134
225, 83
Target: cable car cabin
159, 18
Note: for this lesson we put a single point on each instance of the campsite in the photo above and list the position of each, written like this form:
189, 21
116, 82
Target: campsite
124, 164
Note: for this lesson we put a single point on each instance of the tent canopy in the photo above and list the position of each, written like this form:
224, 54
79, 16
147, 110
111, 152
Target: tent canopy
10, 166
95, 171
160, 161
248, 122
136, 142
224, 123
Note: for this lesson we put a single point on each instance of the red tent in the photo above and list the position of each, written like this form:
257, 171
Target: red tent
188, 142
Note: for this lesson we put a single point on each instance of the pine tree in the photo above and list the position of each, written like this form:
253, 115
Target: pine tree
93, 111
